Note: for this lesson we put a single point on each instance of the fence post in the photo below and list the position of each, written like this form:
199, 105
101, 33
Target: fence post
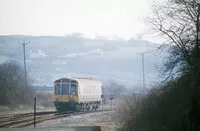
34, 111
102, 98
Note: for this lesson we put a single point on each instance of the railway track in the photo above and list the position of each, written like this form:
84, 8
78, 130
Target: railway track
11, 119
26, 119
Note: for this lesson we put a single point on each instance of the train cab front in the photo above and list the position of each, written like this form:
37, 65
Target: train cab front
65, 94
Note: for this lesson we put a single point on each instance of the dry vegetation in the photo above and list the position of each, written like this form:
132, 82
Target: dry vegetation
161, 109
44, 100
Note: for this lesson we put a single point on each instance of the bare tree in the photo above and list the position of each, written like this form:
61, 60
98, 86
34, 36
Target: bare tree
12, 84
177, 21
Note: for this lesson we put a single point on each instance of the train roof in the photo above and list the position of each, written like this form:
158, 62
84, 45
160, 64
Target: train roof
65, 80
80, 81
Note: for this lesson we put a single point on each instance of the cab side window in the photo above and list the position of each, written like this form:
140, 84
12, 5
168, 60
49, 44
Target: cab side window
57, 89
73, 89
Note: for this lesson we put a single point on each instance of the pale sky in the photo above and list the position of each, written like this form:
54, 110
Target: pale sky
61, 17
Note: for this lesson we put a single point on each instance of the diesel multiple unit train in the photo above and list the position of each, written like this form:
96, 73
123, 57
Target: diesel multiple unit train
77, 94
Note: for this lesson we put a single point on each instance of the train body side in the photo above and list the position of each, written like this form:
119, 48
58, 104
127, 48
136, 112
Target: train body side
89, 91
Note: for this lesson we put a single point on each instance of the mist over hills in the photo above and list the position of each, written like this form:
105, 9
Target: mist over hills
52, 57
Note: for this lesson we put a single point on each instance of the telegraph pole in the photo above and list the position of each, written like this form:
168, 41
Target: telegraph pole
24, 50
143, 71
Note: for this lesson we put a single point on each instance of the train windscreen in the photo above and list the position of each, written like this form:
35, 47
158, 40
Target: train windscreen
66, 89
